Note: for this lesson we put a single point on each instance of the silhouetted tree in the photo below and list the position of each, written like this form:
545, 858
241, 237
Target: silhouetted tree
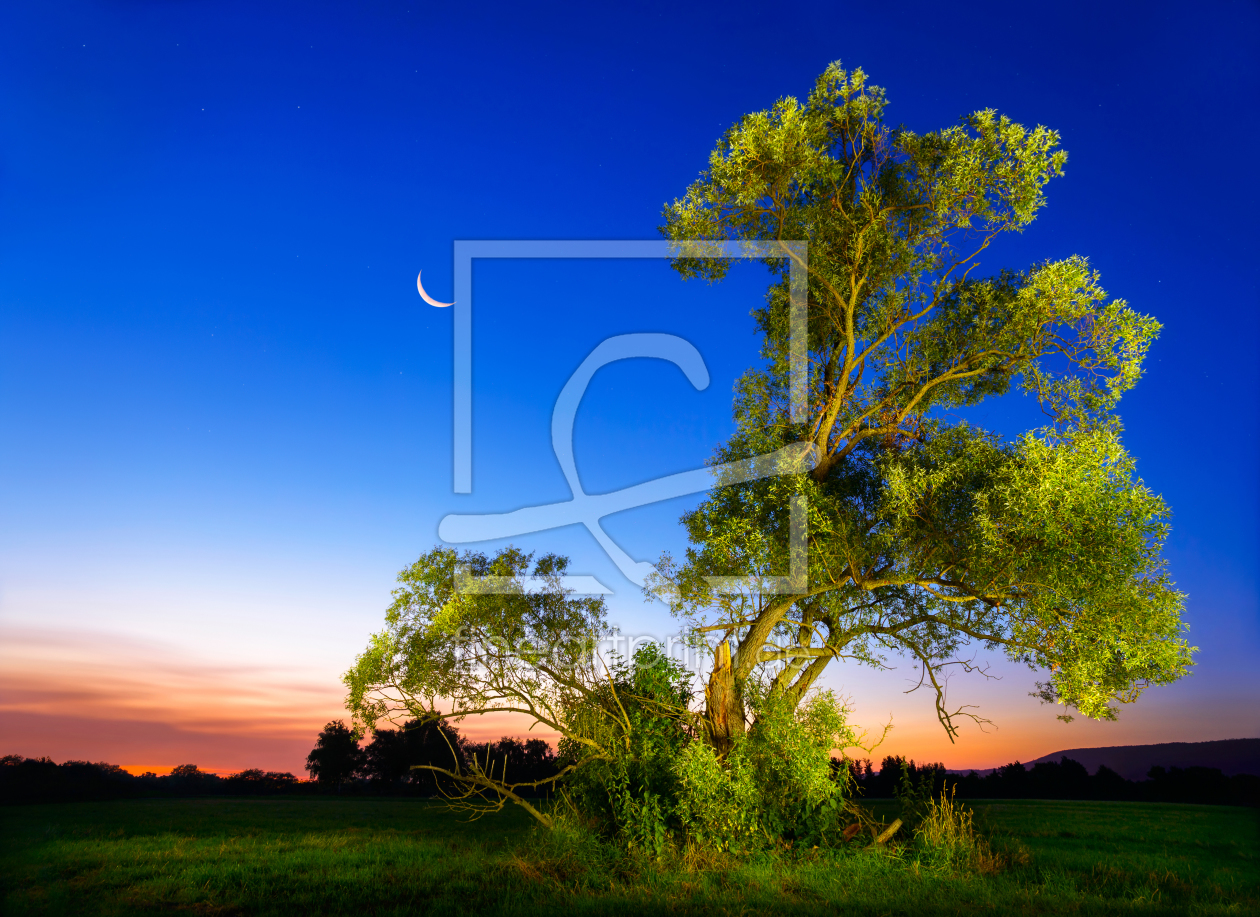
43, 780
1190, 784
393, 753
514, 760
336, 757
386, 757
1107, 784
926, 779
187, 779
254, 781
1066, 779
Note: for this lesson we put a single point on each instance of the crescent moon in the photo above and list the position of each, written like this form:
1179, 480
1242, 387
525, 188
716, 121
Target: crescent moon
426, 297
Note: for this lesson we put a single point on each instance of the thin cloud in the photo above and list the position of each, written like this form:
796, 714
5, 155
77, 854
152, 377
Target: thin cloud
146, 705
108, 676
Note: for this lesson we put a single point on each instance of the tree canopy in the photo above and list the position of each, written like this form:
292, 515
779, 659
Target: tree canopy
926, 533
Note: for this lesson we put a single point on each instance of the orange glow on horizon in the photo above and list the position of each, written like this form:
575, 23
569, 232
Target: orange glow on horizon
107, 698
162, 770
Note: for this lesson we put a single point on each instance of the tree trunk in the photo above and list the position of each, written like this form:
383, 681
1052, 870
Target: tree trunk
723, 707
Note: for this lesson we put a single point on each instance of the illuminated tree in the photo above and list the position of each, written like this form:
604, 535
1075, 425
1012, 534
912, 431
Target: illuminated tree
926, 534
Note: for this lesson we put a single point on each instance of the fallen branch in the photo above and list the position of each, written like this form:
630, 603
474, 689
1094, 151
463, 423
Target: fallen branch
886, 835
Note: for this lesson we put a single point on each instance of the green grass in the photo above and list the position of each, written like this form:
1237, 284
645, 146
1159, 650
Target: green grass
380, 856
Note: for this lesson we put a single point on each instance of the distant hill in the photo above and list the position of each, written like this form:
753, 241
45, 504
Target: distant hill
1230, 756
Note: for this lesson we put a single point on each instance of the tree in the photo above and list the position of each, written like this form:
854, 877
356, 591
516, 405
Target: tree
254, 780
394, 755
336, 757
632, 759
188, 778
528, 760
926, 534
445, 653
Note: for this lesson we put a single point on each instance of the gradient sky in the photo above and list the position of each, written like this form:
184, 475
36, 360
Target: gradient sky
225, 414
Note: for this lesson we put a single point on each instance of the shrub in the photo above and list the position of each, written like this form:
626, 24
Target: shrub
661, 783
718, 803
946, 838
641, 717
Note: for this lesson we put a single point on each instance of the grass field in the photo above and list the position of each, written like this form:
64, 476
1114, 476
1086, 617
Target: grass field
358, 856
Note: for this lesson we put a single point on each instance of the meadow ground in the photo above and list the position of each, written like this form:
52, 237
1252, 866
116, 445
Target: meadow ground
366, 856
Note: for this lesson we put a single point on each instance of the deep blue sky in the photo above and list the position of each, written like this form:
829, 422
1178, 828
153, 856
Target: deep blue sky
225, 413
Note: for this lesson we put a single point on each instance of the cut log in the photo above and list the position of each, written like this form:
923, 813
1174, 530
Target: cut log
886, 835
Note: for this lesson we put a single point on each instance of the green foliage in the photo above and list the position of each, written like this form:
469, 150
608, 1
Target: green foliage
663, 784
447, 651
640, 718
926, 534
471, 634
719, 803
788, 750
776, 784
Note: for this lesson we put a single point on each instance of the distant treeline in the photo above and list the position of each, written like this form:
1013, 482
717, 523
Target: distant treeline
392, 754
337, 764
393, 761
42, 780
385, 766
1067, 779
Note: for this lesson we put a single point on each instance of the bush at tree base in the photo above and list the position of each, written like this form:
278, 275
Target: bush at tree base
664, 783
